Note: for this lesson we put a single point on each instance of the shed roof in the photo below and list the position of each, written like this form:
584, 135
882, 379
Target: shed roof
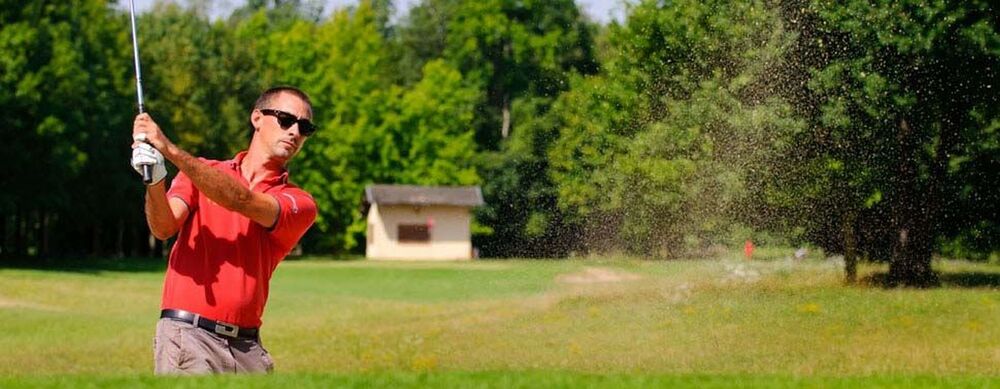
467, 196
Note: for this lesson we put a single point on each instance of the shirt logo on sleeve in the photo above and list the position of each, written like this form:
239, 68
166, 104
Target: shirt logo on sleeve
295, 206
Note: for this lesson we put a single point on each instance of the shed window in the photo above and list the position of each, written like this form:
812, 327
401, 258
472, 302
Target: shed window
414, 233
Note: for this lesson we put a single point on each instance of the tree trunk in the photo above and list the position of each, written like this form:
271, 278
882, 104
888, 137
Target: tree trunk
910, 264
159, 247
4, 247
43, 234
20, 246
95, 240
508, 55
136, 243
120, 239
850, 248
911, 258
505, 129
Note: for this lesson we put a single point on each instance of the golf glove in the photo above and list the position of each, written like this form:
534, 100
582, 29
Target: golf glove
145, 154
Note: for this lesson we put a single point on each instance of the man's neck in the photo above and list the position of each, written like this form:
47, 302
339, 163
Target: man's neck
257, 166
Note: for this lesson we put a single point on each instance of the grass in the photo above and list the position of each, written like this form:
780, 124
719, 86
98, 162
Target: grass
587, 322
528, 379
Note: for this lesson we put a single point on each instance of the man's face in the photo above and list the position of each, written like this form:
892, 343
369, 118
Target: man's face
280, 126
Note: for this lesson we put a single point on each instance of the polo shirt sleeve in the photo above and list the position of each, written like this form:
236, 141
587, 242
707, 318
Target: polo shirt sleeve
182, 187
297, 212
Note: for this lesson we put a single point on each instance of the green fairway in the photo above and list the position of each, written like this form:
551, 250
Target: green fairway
515, 379
524, 323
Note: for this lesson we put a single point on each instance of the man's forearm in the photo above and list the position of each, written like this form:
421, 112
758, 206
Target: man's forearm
218, 186
158, 214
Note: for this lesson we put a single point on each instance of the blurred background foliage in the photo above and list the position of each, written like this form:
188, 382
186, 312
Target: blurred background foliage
864, 128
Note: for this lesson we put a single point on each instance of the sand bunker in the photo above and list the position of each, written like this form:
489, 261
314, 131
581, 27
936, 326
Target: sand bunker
593, 275
10, 304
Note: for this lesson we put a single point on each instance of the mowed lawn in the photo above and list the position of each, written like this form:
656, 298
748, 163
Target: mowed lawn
567, 323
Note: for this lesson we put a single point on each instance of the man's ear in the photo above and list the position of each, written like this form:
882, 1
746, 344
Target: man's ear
255, 118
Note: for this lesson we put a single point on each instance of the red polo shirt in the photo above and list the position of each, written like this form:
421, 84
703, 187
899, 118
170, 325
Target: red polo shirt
222, 262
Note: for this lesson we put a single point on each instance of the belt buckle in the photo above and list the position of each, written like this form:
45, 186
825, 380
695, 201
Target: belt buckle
227, 329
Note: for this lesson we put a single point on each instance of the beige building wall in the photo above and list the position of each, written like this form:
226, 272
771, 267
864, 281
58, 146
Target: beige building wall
450, 237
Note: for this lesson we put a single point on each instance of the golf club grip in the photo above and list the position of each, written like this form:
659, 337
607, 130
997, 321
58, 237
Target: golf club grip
147, 174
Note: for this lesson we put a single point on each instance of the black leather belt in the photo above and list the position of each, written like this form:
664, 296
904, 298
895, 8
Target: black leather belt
218, 327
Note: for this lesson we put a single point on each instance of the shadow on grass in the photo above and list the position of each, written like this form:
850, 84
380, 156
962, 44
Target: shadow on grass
970, 280
973, 279
104, 264
88, 265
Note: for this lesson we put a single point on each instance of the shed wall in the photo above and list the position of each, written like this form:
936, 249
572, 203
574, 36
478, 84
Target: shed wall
450, 235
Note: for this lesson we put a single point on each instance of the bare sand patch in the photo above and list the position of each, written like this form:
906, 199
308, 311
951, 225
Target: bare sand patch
408, 264
594, 275
6, 303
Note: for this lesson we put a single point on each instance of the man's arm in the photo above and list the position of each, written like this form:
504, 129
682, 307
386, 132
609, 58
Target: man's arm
164, 216
224, 189
218, 186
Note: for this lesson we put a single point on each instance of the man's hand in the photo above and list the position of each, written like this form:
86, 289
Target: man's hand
148, 146
144, 129
144, 154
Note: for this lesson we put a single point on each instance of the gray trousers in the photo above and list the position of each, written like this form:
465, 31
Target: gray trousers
182, 348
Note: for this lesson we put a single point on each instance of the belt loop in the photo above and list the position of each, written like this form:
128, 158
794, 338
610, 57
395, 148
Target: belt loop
196, 320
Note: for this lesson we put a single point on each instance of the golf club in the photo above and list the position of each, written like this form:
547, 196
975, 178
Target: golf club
147, 170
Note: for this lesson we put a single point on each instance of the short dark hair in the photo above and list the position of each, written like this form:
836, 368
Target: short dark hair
264, 101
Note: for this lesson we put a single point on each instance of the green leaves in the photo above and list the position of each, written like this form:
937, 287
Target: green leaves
373, 130
703, 119
665, 142
435, 126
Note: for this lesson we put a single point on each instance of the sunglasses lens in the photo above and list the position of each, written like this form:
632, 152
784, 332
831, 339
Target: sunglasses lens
286, 121
306, 128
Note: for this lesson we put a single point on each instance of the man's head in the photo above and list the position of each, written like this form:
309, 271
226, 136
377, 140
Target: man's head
281, 120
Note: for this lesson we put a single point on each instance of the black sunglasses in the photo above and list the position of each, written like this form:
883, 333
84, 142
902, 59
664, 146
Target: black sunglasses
286, 120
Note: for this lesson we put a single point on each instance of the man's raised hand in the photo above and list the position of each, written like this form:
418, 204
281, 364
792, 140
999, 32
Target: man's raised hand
144, 154
148, 131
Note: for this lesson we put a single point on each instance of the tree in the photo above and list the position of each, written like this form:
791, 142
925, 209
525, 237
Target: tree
519, 56
200, 81
432, 130
507, 49
894, 104
372, 130
657, 154
65, 73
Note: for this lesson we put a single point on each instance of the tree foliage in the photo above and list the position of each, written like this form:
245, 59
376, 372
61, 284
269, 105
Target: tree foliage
506, 49
64, 88
865, 128
654, 155
198, 80
906, 116
373, 129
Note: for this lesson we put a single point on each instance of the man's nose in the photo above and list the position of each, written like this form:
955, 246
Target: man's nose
294, 129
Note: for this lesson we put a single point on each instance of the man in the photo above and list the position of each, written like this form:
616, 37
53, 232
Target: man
235, 221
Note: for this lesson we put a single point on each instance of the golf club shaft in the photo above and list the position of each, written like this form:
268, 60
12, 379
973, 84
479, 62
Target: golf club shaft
147, 170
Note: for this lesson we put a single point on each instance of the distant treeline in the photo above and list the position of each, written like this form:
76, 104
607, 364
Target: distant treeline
868, 129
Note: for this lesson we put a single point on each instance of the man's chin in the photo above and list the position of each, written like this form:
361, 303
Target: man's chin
283, 154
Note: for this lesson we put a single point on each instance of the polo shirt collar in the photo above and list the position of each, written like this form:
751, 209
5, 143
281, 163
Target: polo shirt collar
276, 180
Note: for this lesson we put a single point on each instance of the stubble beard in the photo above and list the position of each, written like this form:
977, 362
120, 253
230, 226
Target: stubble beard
282, 153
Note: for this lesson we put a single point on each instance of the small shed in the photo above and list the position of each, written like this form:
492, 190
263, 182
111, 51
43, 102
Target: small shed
420, 222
